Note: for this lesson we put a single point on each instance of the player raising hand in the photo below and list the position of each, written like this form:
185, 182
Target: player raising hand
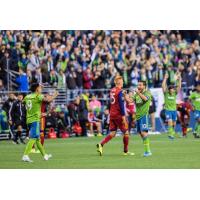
117, 117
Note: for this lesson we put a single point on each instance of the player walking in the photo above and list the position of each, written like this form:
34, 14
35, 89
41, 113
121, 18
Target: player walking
142, 98
184, 109
33, 103
170, 95
195, 99
117, 117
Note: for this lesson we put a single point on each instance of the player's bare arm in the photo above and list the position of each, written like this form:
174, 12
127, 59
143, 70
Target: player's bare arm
143, 97
51, 98
178, 75
164, 85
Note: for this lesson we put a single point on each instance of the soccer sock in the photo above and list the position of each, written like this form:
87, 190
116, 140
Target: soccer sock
107, 139
125, 141
146, 144
170, 130
184, 130
19, 133
42, 138
40, 147
29, 146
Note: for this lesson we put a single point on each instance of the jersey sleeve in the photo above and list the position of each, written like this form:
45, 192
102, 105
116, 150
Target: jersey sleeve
192, 96
40, 97
148, 96
121, 103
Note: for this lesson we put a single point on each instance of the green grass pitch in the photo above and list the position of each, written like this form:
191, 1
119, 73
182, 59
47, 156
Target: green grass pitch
80, 153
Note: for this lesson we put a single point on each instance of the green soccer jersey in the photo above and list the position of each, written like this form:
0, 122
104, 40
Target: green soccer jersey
142, 107
170, 101
33, 106
195, 98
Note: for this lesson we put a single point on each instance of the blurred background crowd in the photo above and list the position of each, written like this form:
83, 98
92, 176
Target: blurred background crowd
90, 59
78, 60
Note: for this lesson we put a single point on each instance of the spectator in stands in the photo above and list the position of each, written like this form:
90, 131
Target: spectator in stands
87, 79
158, 76
94, 122
61, 79
95, 105
53, 79
5, 64
79, 77
2, 88
82, 114
22, 81
34, 61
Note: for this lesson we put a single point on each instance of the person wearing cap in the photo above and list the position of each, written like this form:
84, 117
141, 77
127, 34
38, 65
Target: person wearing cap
170, 95
195, 99
33, 104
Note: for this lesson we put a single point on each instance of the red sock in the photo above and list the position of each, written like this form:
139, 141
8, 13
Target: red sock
107, 139
184, 130
126, 140
42, 139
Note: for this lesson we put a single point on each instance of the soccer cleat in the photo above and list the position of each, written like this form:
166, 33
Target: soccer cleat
15, 142
147, 154
171, 137
25, 158
47, 156
22, 141
99, 135
128, 153
100, 149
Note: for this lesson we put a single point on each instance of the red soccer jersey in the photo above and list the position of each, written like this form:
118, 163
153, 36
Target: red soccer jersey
115, 110
185, 108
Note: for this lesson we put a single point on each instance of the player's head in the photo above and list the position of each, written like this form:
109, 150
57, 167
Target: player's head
198, 87
171, 89
20, 96
141, 85
36, 87
119, 81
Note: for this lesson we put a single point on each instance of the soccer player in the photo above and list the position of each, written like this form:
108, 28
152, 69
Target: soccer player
184, 109
170, 95
33, 103
142, 99
195, 99
44, 110
117, 117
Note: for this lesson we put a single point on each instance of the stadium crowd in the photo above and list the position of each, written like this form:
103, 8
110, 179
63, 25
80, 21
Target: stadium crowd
90, 60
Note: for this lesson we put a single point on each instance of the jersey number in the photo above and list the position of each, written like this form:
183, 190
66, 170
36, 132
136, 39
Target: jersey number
29, 104
112, 96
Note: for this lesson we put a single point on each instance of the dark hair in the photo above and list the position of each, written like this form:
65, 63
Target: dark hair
144, 82
34, 86
171, 87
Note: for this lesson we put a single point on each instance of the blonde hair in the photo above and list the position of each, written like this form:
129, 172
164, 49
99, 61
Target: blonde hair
117, 78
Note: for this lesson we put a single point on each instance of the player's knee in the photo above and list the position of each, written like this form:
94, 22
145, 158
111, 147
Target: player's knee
126, 133
112, 134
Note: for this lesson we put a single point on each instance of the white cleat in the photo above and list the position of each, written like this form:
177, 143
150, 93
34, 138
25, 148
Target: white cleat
47, 156
25, 158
